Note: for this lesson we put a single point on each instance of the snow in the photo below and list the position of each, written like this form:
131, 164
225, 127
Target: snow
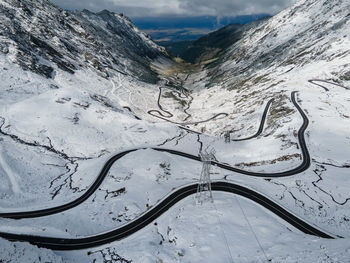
20, 252
219, 232
11, 175
68, 126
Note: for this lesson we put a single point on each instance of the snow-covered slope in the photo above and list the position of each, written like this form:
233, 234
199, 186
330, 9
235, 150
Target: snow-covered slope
58, 111
307, 41
21, 253
298, 38
66, 78
42, 38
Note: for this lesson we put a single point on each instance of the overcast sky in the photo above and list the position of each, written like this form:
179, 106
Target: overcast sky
143, 8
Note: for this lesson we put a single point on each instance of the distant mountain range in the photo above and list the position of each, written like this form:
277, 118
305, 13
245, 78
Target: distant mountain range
210, 45
173, 29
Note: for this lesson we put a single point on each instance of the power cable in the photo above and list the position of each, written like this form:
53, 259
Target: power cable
251, 228
223, 232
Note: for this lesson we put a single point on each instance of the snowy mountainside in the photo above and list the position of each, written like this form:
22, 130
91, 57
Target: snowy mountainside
308, 41
295, 39
37, 34
57, 129
58, 113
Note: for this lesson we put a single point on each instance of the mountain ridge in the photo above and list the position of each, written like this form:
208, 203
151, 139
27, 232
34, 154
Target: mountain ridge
101, 40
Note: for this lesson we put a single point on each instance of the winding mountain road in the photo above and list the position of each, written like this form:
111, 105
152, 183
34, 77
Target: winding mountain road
130, 110
168, 202
104, 172
157, 211
314, 82
262, 123
163, 114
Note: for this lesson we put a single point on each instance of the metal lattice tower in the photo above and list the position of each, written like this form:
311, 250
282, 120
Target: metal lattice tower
204, 192
227, 136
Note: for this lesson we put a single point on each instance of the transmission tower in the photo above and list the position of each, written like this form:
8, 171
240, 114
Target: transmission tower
227, 136
204, 186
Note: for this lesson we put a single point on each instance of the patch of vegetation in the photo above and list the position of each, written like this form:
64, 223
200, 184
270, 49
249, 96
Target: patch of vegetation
240, 84
171, 95
250, 81
281, 111
260, 79
297, 58
274, 161
176, 48
278, 111
166, 173
275, 84
345, 76
218, 60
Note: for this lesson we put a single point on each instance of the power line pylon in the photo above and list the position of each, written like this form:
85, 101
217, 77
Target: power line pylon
227, 136
204, 192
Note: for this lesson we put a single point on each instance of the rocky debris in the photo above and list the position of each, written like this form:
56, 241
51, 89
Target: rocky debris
106, 102
345, 76
280, 159
109, 255
115, 193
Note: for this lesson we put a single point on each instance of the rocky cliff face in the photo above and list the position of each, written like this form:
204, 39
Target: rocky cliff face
42, 38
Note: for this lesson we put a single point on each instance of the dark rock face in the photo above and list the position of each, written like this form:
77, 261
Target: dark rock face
46, 37
345, 76
43, 70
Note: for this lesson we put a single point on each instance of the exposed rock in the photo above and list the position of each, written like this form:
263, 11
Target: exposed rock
69, 41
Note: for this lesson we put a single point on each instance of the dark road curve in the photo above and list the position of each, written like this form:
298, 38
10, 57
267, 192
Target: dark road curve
104, 172
130, 110
155, 212
314, 82
158, 114
262, 123
76, 202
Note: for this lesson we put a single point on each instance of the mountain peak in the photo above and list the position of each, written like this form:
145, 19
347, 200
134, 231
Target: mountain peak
57, 40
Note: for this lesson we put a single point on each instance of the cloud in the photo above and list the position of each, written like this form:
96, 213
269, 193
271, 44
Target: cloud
233, 7
136, 8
